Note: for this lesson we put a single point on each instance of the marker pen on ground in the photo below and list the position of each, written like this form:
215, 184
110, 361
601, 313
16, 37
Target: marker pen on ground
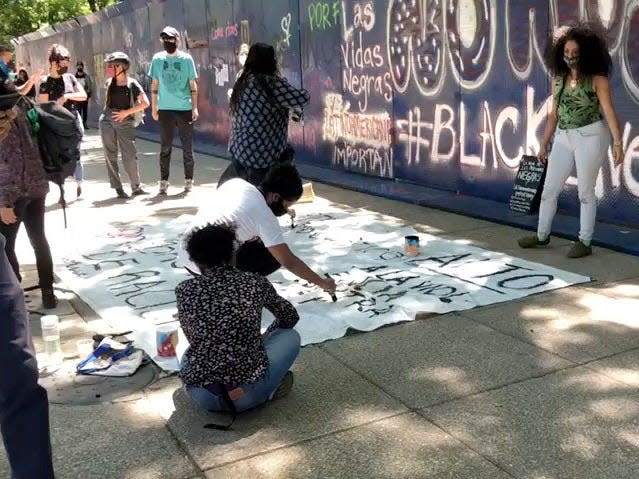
333, 296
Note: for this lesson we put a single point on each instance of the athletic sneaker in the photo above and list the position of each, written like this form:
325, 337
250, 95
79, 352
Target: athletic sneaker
137, 190
121, 193
188, 185
579, 250
532, 241
164, 187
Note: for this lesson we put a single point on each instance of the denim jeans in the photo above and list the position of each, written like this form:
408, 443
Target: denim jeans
282, 347
24, 409
585, 149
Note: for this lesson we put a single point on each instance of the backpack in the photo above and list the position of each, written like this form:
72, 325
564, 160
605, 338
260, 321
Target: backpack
138, 117
59, 134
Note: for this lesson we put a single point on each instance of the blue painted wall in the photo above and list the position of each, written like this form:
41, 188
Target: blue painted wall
444, 93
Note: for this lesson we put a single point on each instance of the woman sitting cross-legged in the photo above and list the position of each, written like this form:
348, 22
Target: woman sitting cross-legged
220, 312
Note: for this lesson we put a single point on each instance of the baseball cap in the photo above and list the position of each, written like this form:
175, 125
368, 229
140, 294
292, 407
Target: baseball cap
170, 32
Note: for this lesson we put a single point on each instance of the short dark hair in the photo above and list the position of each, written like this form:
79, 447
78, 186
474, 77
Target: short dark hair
594, 58
284, 180
5, 48
58, 53
211, 245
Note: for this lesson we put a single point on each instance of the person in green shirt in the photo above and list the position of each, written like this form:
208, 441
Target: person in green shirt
578, 58
174, 104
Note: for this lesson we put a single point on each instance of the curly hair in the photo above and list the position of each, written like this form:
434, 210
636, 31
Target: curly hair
211, 245
260, 63
594, 58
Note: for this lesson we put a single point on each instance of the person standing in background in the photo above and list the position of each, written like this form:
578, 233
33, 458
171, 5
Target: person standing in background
174, 103
85, 80
63, 88
124, 99
23, 78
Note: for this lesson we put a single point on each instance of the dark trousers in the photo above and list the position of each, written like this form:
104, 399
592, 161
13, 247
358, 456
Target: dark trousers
24, 408
83, 109
255, 176
254, 257
30, 211
169, 119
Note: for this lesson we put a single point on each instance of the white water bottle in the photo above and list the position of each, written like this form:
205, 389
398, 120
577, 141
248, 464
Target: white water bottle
51, 336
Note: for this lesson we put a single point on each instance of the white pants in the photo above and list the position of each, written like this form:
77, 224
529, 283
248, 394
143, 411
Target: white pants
586, 148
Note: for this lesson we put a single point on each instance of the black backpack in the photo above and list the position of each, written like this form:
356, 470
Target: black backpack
59, 134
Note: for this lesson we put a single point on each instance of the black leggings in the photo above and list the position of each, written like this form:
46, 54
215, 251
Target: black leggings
30, 211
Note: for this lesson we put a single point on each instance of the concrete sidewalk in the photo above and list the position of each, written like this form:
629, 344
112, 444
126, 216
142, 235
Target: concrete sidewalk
544, 387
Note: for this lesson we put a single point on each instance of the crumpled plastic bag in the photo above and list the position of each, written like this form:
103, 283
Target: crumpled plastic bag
111, 358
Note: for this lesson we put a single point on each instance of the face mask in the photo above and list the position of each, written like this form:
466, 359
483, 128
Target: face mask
13, 76
80, 70
571, 62
170, 47
62, 70
278, 207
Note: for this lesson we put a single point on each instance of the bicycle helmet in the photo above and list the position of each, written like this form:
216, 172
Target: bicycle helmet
118, 57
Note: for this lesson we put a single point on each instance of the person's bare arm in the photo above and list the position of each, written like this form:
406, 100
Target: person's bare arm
193, 85
602, 89
154, 99
283, 254
551, 125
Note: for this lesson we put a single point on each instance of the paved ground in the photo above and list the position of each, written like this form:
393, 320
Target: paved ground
544, 387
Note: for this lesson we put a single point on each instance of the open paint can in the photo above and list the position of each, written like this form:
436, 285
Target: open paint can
411, 245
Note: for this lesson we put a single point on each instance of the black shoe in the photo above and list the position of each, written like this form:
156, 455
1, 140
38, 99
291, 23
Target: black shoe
138, 191
121, 194
285, 386
78, 191
49, 301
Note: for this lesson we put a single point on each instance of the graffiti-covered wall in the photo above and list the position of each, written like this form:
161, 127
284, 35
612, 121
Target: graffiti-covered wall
444, 93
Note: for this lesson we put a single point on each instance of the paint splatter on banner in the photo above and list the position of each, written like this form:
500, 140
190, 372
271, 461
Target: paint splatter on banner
128, 272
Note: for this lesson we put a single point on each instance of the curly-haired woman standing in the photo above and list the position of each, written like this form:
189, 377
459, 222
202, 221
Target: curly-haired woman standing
579, 60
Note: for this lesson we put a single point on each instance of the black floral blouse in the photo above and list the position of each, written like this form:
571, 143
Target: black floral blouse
220, 313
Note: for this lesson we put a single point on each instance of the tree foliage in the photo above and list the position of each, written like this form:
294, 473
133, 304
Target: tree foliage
24, 16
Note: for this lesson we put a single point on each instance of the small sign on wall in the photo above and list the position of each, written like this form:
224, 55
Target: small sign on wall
528, 186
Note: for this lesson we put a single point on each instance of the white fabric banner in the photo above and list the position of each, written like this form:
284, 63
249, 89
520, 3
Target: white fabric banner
127, 273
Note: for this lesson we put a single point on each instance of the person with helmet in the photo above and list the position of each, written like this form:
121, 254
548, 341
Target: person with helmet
174, 103
124, 103
65, 89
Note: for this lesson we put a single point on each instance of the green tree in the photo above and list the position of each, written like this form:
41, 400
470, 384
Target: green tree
24, 16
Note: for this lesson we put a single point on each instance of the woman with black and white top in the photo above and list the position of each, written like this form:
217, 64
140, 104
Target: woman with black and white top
220, 312
260, 106
63, 88
124, 101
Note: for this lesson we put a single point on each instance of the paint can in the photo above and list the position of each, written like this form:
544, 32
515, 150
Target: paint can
411, 245
166, 339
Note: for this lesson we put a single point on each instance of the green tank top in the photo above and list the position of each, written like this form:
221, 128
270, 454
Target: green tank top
578, 106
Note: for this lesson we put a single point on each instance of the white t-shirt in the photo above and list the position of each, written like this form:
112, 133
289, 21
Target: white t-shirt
239, 202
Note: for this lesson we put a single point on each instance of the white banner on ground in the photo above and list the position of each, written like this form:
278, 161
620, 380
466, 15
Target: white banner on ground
127, 273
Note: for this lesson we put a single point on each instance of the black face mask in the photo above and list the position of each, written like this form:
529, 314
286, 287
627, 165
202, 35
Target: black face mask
80, 70
278, 208
62, 70
170, 47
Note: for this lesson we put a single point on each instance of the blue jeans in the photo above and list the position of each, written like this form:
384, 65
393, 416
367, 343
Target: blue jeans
282, 347
24, 409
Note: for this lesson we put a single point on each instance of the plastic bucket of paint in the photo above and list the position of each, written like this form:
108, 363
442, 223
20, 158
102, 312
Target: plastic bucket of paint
411, 245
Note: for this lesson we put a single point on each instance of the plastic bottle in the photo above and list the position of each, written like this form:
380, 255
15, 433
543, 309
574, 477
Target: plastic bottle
50, 326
